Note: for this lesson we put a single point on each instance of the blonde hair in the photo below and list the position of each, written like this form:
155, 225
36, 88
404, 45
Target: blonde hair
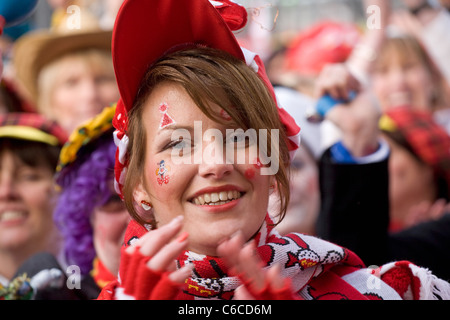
99, 61
407, 47
204, 72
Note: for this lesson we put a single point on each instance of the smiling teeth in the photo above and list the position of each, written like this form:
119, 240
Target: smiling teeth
216, 198
11, 215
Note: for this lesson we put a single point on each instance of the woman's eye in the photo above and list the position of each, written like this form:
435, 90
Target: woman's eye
237, 138
297, 165
70, 82
29, 175
177, 144
240, 139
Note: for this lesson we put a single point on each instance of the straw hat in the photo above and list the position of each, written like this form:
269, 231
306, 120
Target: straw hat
33, 51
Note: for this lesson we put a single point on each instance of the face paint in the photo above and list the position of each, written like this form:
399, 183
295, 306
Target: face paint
257, 163
249, 173
161, 172
166, 119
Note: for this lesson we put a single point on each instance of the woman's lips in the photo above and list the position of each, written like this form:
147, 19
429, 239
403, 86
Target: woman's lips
12, 217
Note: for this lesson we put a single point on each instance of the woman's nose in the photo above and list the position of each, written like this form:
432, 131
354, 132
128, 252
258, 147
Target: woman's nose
215, 170
90, 90
7, 186
397, 78
214, 163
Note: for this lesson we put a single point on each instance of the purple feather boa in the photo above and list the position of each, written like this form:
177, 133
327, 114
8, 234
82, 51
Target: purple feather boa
86, 184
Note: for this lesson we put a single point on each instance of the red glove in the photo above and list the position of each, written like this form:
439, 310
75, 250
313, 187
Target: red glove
143, 283
267, 292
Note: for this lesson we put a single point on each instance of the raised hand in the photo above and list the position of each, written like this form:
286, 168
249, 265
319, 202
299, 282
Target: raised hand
257, 283
147, 269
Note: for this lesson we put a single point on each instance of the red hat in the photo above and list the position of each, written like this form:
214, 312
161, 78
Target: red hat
146, 30
427, 140
323, 43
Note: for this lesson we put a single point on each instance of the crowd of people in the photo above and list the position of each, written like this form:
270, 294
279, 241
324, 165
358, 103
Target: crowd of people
99, 150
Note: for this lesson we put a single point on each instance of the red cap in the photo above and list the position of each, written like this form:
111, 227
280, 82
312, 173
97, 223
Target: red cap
146, 30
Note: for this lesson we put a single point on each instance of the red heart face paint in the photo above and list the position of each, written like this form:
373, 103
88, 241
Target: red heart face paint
161, 172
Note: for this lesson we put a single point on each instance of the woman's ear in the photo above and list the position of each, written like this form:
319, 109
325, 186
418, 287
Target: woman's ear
140, 193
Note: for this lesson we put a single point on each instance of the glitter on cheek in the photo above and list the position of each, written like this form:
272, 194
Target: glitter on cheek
251, 172
257, 163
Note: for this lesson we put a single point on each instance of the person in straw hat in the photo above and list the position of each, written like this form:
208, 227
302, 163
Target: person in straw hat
67, 71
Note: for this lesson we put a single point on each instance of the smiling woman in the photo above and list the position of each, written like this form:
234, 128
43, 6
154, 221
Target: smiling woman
29, 150
66, 72
405, 75
225, 175
210, 220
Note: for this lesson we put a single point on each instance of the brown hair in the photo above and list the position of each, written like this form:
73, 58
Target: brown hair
204, 72
407, 47
31, 153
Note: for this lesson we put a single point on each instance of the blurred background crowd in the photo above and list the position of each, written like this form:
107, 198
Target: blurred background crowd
58, 74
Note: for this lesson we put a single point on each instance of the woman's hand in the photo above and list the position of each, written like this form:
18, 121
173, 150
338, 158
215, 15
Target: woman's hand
147, 269
258, 283
336, 80
357, 119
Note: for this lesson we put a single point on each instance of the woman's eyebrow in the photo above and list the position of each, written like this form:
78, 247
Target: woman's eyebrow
174, 127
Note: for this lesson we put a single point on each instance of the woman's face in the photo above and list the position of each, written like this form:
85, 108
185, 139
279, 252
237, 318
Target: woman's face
304, 182
26, 205
403, 82
305, 195
81, 92
239, 191
109, 223
410, 182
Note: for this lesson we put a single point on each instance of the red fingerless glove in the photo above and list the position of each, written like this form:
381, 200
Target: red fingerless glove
143, 283
268, 293
165, 289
